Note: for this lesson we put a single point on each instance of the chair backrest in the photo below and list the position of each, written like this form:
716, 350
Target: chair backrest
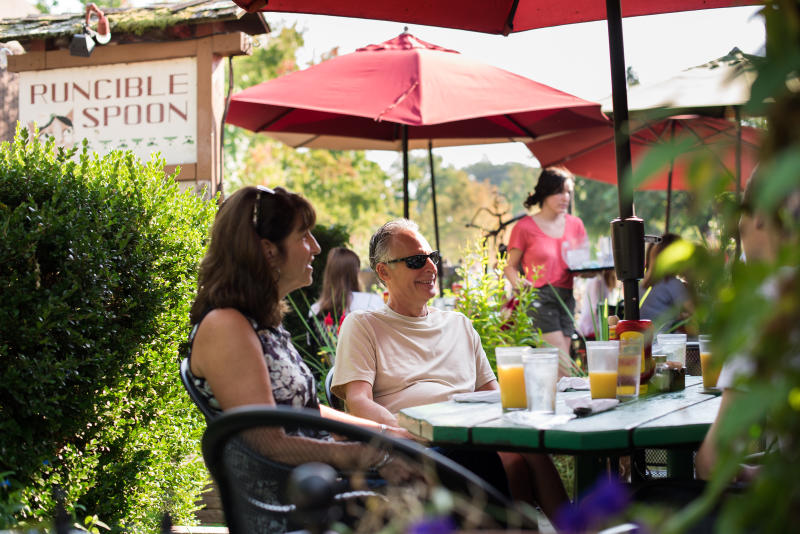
194, 394
252, 450
333, 400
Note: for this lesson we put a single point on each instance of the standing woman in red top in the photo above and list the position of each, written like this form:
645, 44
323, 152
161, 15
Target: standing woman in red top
535, 249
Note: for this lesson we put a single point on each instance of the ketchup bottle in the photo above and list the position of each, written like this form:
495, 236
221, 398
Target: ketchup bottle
645, 327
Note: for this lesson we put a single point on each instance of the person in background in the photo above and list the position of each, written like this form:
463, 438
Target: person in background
536, 247
409, 354
341, 290
341, 293
667, 302
762, 235
603, 287
261, 249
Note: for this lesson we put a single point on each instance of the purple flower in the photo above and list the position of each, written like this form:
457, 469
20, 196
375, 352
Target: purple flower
433, 525
606, 499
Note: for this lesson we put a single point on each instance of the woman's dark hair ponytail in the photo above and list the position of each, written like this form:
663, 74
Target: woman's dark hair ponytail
551, 182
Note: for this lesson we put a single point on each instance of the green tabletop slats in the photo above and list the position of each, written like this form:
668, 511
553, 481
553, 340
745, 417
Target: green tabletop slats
677, 420
449, 421
682, 427
613, 429
501, 434
652, 420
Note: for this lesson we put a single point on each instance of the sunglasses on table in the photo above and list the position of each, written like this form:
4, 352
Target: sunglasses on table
417, 261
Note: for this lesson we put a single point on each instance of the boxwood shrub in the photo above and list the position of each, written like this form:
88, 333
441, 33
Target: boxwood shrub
98, 267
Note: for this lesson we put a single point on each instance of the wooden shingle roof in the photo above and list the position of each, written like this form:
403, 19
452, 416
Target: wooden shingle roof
160, 21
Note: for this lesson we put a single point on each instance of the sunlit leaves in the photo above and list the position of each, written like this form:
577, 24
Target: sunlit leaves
98, 265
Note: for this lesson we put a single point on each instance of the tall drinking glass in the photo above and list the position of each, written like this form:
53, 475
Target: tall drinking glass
603, 359
541, 377
673, 346
631, 345
511, 377
708, 367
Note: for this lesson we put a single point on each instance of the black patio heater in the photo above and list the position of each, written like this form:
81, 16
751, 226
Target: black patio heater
627, 231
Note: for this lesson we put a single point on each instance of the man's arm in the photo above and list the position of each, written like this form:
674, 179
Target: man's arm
360, 403
489, 386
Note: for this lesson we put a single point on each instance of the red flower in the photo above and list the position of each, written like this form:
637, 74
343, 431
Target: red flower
328, 321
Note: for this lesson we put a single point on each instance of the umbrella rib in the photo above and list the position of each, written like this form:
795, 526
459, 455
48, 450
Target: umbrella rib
516, 123
397, 101
705, 147
311, 139
273, 121
730, 135
509, 25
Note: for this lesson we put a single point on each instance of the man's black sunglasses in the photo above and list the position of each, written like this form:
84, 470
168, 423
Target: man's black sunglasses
417, 261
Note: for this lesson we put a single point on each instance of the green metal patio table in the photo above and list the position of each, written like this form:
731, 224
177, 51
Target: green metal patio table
676, 421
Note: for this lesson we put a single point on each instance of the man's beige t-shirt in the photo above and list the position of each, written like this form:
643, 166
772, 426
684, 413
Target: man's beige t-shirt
410, 361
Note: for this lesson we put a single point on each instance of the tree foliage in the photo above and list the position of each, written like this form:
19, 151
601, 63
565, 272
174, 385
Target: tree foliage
458, 197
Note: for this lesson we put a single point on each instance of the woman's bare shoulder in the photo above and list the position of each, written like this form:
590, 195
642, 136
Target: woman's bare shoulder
223, 333
224, 317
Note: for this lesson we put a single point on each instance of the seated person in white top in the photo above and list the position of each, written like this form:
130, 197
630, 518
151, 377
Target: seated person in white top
762, 235
341, 290
341, 294
408, 354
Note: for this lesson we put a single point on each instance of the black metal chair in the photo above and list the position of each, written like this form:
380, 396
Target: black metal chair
333, 400
242, 450
194, 394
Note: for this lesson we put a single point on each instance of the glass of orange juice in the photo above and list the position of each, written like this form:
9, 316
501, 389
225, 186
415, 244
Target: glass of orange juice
708, 367
603, 359
511, 376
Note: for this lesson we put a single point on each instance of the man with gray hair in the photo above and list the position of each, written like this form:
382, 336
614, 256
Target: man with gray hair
408, 354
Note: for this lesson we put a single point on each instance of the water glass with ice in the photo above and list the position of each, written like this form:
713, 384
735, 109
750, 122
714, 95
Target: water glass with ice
541, 377
674, 346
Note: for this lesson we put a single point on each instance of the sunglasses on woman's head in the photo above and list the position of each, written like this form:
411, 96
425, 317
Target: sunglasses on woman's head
417, 261
257, 205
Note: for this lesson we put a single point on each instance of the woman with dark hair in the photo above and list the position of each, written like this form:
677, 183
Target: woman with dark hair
667, 302
535, 248
341, 290
261, 249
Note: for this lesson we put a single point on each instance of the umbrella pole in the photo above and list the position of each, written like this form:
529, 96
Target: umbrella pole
738, 249
669, 180
439, 267
669, 197
405, 171
627, 231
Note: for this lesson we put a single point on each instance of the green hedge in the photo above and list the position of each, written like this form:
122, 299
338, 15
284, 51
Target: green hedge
98, 267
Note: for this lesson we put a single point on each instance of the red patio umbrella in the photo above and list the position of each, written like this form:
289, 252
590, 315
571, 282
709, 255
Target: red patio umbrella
362, 100
487, 16
407, 93
590, 152
406, 89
